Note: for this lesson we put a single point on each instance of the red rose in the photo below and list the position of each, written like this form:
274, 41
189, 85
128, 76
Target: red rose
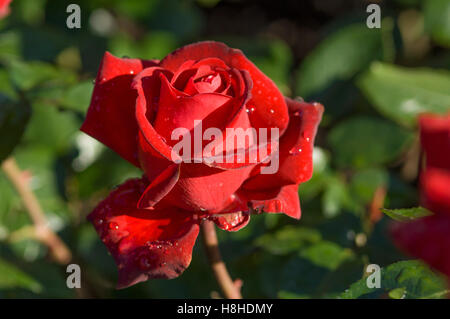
150, 224
429, 238
4, 8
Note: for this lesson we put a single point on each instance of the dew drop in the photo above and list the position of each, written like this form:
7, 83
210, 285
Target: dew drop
113, 225
98, 222
250, 109
295, 151
305, 137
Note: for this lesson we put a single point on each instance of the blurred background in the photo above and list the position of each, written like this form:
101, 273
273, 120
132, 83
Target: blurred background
373, 83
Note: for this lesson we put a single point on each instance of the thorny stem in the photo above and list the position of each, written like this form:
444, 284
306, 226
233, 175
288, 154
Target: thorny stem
42, 232
230, 289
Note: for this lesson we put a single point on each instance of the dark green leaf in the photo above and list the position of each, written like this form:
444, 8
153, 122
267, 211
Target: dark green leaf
14, 117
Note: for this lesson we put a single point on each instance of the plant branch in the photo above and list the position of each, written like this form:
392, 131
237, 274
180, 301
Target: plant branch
230, 288
42, 232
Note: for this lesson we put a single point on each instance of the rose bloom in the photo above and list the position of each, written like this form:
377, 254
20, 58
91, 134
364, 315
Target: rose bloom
150, 224
428, 238
4, 8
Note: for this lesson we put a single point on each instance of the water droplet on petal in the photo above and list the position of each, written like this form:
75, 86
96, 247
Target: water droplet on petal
305, 136
98, 222
295, 151
113, 225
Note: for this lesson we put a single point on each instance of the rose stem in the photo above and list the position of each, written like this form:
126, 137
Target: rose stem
42, 232
229, 288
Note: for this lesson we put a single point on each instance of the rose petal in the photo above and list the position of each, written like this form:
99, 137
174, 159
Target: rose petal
269, 104
296, 148
143, 106
144, 243
232, 221
177, 111
427, 239
435, 190
204, 188
160, 187
110, 117
286, 202
435, 138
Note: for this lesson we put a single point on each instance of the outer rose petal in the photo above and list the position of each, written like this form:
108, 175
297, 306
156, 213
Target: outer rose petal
111, 115
269, 106
144, 243
435, 138
286, 202
296, 148
426, 238
435, 190
204, 188
231, 221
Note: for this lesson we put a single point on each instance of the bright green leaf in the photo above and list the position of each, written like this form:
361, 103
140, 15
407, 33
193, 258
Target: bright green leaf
407, 214
402, 93
437, 20
287, 239
339, 57
11, 277
78, 96
326, 254
397, 293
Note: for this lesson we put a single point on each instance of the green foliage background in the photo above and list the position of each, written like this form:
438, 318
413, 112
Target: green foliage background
373, 83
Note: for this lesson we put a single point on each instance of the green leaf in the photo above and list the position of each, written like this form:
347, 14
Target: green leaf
288, 239
326, 254
26, 75
11, 277
397, 293
9, 45
78, 96
337, 197
407, 214
437, 20
58, 133
365, 182
402, 93
14, 117
339, 57
417, 280
154, 46
364, 141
